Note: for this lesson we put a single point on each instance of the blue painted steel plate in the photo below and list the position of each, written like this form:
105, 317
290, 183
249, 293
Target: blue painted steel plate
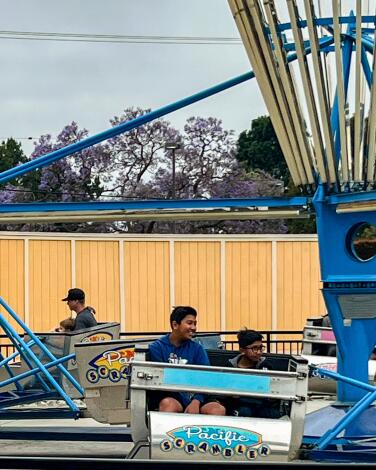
215, 380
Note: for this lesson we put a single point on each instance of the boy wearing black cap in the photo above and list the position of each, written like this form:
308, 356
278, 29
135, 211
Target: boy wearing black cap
76, 303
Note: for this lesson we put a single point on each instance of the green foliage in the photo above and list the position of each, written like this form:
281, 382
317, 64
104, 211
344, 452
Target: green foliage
259, 149
11, 155
299, 225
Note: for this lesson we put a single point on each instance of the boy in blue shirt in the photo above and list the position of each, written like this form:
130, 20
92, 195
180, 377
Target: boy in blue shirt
177, 347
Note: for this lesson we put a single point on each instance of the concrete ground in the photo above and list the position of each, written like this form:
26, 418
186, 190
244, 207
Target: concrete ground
60, 448
45, 448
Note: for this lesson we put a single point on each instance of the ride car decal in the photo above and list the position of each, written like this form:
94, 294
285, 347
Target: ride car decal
113, 365
221, 441
97, 337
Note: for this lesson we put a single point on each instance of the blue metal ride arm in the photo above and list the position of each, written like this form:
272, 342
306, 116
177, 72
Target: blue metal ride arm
328, 21
353, 413
368, 44
22, 349
364, 196
350, 416
35, 359
56, 155
341, 378
366, 68
298, 201
31, 372
5, 362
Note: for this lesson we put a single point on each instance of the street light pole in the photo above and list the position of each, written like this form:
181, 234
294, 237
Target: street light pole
173, 192
173, 146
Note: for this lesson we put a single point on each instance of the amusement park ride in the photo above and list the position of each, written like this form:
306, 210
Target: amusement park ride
316, 74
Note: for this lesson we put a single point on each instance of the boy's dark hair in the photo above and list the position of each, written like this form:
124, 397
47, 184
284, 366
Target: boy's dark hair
179, 313
247, 337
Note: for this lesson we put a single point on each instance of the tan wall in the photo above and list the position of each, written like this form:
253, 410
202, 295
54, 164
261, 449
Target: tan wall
147, 285
263, 282
198, 280
49, 276
298, 284
12, 278
248, 285
97, 273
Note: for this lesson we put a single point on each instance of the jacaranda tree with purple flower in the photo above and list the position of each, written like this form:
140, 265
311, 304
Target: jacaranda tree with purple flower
136, 165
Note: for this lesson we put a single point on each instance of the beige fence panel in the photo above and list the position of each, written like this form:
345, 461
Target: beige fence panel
267, 282
147, 285
198, 281
248, 285
12, 277
97, 273
49, 279
298, 293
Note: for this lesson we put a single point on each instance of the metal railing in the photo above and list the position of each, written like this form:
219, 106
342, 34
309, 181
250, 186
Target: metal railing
279, 341
289, 342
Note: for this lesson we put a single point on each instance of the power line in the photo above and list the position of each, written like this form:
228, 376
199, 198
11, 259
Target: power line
116, 38
17, 138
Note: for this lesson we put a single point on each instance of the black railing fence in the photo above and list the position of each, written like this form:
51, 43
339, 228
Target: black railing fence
286, 342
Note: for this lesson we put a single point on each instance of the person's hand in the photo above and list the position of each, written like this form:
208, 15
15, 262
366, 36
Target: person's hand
194, 407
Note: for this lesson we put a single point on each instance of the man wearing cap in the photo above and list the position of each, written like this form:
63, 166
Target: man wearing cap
76, 303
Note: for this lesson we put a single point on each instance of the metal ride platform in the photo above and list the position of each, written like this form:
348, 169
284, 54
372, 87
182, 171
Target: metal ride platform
305, 56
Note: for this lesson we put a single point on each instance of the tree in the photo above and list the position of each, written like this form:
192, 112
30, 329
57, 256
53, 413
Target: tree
75, 178
136, 165
259, 149
136, 155
206, 167
11, 155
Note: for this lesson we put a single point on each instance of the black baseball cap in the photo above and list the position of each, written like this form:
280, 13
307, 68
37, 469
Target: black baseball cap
75, 294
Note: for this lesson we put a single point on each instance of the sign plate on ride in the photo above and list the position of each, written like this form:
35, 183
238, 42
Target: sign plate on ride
223, 441
101, 336
112, 365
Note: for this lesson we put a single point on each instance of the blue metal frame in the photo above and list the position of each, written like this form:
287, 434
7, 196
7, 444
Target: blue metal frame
351, 436
353, 413
5, 362
157, 204
340, 272
25, 350
31, 372
346, 198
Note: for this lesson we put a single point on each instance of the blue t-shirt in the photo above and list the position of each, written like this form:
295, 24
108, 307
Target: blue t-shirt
189, 352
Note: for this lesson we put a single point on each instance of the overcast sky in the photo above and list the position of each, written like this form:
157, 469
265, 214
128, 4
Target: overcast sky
47, 84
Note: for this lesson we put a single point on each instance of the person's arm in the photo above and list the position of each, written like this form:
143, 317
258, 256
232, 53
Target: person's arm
155, 351
201, 357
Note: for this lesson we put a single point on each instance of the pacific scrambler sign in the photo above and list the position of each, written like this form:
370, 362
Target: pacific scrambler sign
222, 441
